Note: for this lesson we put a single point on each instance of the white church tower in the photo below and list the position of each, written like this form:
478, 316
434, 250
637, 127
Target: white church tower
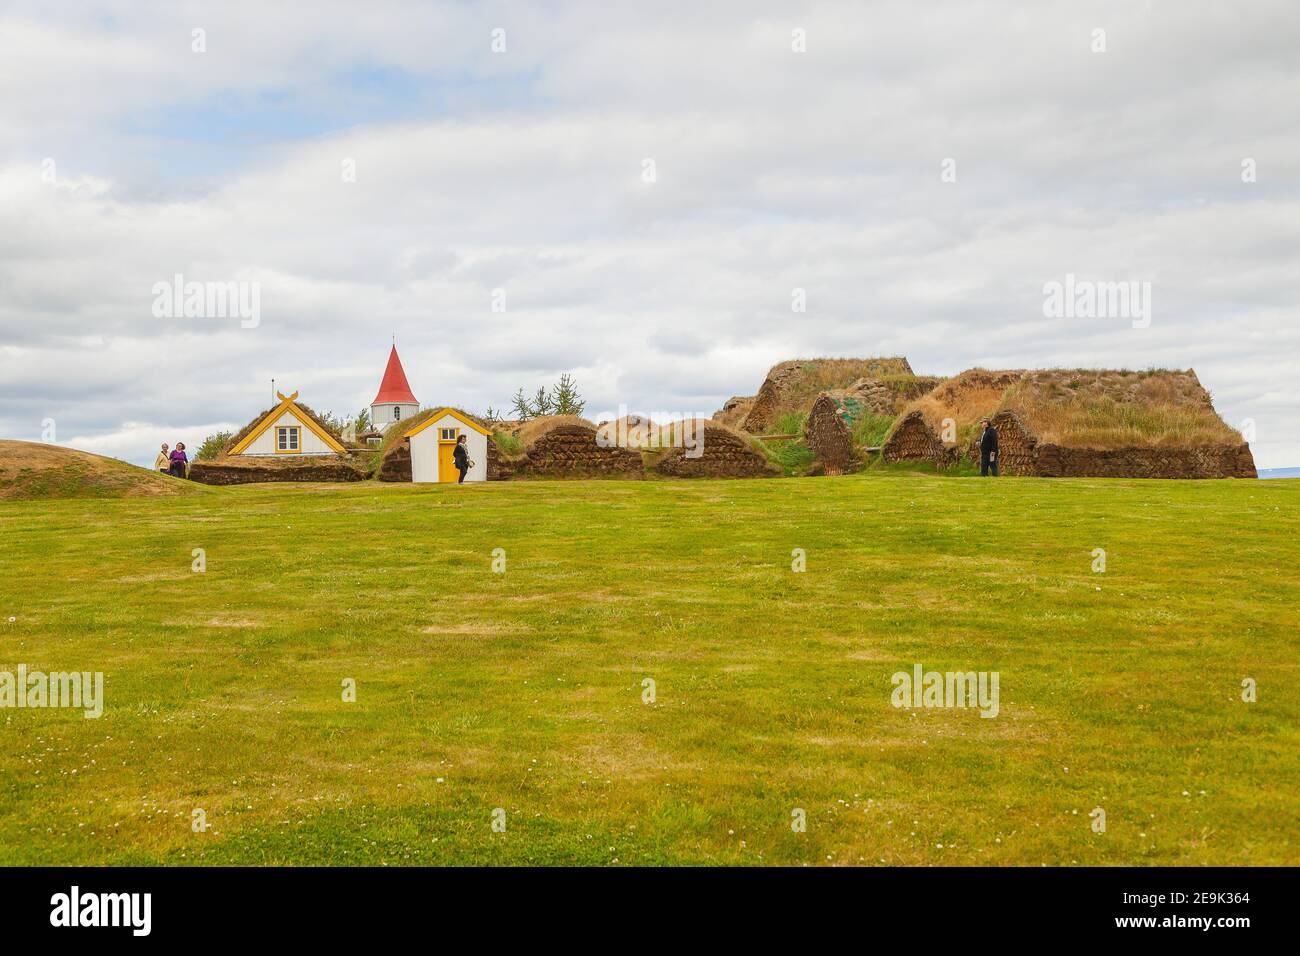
394, 402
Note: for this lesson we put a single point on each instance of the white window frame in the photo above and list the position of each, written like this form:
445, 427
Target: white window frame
288, 439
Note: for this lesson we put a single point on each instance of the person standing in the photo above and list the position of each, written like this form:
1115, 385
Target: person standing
461, 458
163, 462
180, 461
988, 449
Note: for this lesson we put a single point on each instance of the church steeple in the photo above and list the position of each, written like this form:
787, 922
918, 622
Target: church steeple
395, 400
394, 388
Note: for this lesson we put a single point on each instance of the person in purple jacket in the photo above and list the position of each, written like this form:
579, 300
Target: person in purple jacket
179, 460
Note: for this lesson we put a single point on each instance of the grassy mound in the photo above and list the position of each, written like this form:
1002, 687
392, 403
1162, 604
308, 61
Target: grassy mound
1109, 409
31, 470
568, 446
531, 431
793, 386
965, 399
1113, 423
718, 451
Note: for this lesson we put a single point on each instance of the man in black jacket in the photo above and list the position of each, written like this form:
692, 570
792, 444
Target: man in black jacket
461, 459
988, 449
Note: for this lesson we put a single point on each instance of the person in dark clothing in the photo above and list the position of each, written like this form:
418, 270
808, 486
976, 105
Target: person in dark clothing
988, 449
461, 458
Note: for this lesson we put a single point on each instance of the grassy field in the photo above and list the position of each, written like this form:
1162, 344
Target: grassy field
523, 690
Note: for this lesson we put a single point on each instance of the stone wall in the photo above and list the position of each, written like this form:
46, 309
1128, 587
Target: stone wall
886, 398
722, 455
1017, 449
827, 434
234, 471
396, 463
734, 410
763, 409
1019, 453
872, 394
912, 439
1212, 461
570, 450
498, 469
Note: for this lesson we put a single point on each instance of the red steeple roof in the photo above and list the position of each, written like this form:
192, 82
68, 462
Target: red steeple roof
394, 387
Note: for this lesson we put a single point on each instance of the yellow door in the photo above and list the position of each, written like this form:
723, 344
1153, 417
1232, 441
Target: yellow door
447, 454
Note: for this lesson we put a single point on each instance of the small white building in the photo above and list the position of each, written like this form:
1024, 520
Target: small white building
288, 430
395, 401
433, 444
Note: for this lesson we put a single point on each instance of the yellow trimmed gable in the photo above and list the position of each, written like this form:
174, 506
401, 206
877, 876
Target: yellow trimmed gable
464, 420
287, 405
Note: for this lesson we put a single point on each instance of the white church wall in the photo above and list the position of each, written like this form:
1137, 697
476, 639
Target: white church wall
381, 416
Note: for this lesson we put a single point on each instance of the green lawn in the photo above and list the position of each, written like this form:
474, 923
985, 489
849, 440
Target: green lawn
523, 690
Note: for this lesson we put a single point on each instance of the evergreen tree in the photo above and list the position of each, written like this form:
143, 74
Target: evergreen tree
542, 404
565, 397
523, 411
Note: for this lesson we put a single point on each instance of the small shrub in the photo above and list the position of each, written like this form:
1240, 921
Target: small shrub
510, 445
212, 446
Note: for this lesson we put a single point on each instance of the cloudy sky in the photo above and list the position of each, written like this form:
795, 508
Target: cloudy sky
647, 186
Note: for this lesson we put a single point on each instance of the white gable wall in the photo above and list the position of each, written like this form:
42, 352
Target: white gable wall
311, 442
424, 451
